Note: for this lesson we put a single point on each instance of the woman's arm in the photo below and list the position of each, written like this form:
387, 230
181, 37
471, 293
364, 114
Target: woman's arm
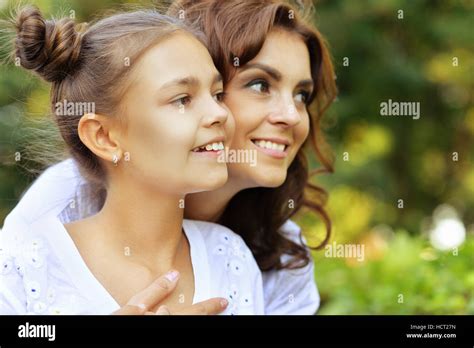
52, 192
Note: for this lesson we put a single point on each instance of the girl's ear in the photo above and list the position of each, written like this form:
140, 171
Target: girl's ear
96, 133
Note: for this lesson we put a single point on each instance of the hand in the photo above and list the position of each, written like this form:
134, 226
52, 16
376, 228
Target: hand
156, 292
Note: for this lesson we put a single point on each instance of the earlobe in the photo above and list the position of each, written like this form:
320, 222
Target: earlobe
94, 132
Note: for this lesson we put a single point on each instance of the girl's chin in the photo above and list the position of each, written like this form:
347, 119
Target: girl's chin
211, 181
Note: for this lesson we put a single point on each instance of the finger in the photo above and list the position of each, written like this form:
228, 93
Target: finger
130, 310
156, 292
163, 310
209, 307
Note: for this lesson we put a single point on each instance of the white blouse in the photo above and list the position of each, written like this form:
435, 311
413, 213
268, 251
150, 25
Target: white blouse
42, 272
61, 194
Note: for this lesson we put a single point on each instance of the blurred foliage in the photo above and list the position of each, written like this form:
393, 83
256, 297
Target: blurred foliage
403, 275
390, 158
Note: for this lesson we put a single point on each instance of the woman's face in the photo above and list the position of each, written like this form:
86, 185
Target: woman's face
175, 118
267, 99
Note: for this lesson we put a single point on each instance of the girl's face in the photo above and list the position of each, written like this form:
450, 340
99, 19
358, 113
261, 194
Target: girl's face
175, 119
267, 98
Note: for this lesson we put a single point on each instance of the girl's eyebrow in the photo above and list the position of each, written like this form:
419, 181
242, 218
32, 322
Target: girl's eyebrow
182, 81
191, 81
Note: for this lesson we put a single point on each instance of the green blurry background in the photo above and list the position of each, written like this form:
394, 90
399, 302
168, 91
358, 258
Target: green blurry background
418, 257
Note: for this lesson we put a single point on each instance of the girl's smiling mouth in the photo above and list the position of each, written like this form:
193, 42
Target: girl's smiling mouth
213, 147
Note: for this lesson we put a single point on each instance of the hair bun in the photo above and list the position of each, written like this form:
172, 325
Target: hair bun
50, 48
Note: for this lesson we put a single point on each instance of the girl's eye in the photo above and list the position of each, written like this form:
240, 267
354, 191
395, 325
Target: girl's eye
260, 86
302, 97
183, 101
219, 97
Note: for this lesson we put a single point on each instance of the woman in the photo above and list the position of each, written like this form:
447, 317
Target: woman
141, 120
245, 39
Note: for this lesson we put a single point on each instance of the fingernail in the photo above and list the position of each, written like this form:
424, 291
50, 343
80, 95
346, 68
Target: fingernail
162, 310
224, 303
172, 276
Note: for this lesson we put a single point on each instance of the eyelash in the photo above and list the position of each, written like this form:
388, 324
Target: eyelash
185, 100
264, 83
220, 97
257, 82
179, 102
305, 95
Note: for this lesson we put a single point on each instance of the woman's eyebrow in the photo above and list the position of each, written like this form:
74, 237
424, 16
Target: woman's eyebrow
309, 84
275, 74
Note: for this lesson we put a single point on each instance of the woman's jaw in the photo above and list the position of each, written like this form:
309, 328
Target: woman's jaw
267, 98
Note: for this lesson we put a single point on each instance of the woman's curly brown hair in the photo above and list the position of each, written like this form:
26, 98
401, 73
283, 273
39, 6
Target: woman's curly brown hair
238, 28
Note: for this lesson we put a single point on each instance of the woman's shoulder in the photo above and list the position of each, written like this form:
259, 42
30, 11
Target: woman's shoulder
291, 230
51, 190
291, 291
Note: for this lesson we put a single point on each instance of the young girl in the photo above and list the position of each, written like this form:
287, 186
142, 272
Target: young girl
153, 136
266, 36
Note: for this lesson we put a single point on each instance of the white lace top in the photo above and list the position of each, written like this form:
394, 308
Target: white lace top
42, 271
61, 192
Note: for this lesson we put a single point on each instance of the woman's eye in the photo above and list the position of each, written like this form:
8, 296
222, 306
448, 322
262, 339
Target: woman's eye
183, 101
302, 97
219, 97
260, 86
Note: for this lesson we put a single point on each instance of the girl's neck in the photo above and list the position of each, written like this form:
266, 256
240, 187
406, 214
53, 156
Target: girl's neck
210, 205
143, 222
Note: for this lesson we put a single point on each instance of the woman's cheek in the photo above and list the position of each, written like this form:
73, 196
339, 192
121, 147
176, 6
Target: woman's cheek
304, 129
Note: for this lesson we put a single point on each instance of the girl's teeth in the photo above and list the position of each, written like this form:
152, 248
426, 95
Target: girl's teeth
211, 147
270, 145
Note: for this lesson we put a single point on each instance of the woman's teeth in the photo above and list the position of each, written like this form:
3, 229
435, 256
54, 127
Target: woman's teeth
264, 144
210, 147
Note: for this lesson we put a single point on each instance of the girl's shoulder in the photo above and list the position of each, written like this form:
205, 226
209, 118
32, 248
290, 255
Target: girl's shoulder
32, 273
221, 243
216, 234
235, 274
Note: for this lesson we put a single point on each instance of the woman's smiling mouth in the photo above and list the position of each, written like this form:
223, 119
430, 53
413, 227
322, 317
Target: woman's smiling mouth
276, 148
